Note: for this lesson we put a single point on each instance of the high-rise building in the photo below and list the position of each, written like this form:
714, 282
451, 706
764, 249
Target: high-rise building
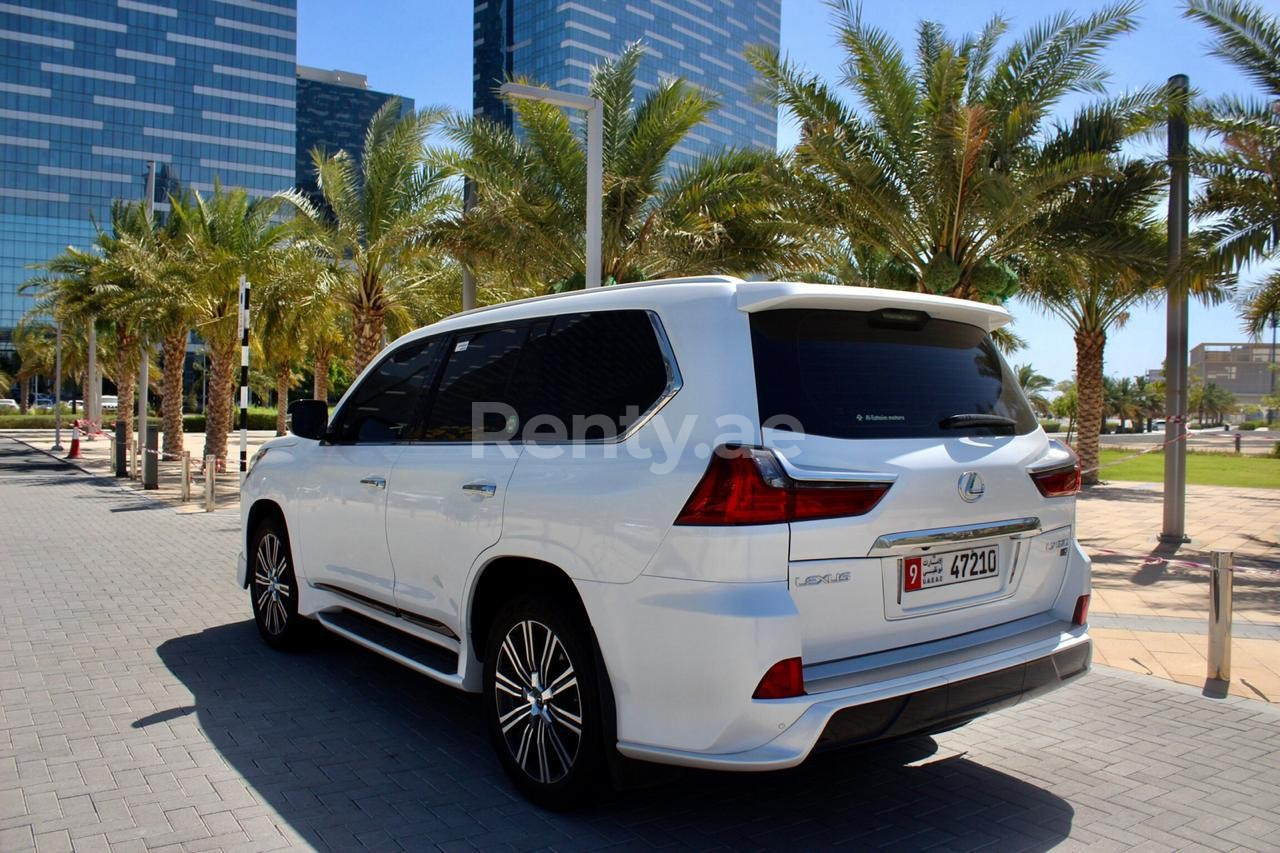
557, 43
334, 111
92, 90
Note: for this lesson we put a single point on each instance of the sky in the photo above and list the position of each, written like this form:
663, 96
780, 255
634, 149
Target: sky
422, 49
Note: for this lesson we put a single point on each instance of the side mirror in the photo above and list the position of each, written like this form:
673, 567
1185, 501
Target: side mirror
309, 418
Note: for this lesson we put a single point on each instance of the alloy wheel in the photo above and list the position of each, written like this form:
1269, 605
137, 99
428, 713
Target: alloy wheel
271, 592
538, 701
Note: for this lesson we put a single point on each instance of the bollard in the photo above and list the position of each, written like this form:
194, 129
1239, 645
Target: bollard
135, 469
120, 451
151, 461
1237, 442
210, 471
186, 475
1220, 579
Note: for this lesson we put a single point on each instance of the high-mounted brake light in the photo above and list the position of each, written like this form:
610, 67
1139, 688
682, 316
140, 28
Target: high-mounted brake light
1058, 482
746, 485
782, 681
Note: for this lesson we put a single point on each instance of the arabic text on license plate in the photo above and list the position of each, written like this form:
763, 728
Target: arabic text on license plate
926, 571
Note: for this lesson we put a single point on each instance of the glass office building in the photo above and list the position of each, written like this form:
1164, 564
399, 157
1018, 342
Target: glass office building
557, 43
334, 111
91, 90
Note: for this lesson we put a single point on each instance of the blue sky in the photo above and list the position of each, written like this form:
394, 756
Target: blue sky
422, 48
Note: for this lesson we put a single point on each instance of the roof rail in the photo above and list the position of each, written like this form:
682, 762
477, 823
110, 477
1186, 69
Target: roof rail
695, 279
692, 279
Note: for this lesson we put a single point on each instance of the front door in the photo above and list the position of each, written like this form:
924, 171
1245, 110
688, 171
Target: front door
343, 510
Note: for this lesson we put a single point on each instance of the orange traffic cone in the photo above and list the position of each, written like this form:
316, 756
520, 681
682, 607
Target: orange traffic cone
75, 441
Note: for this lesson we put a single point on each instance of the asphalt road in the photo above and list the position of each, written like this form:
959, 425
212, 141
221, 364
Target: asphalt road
140, 710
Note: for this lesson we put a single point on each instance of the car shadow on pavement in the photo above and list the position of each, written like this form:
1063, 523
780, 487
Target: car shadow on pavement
350, 749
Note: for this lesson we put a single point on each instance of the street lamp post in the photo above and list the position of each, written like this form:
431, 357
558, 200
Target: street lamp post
57, 390
594, 108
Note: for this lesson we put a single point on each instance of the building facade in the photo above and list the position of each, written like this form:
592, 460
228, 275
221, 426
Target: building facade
91, 90
557, 43
334, 111
1247, 370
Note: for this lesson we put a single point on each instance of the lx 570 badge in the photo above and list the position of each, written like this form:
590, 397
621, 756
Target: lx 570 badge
814, 580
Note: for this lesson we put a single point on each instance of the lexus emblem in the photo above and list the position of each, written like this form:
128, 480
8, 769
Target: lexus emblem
971, 486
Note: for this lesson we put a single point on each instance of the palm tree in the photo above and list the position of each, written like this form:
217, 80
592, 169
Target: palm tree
228, 235
948, 166
1240, 193
132, 283
724, 212
381, 212
35, 350
1034, 385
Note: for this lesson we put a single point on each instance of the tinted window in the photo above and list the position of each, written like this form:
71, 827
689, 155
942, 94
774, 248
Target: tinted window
478, 371
588, 376
385, 406
853, 374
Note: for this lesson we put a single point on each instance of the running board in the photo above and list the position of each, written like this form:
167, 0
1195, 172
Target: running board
417, 654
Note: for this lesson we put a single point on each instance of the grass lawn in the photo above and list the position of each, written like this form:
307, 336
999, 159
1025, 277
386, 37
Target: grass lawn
1203, 469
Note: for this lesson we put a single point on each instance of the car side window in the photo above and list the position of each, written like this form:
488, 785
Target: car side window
476, 385
589, 376
386, 406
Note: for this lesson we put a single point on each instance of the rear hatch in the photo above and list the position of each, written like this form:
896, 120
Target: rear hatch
963, 539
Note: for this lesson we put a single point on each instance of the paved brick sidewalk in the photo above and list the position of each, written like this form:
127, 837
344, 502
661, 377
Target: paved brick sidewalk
139, 709
1151, 614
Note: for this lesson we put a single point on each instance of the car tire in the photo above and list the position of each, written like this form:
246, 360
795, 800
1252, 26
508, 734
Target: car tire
542, 702
273, 587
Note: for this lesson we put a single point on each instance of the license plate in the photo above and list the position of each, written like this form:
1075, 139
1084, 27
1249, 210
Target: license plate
926, 571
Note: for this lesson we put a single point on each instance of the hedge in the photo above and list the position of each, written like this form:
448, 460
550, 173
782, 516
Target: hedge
190, 423
1051, 426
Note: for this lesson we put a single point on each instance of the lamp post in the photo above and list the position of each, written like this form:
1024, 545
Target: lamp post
57, 390
594, 108
1173, 530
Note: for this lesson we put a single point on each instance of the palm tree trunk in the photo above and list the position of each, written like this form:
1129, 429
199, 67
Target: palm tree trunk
283, 375
320, 381
126, 376
175, 355
26, 388
367, 325
1089, 347
222, 378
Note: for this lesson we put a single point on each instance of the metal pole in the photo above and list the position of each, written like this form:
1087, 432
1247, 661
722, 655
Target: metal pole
210, 472
1175, 370
468, 279
595, 190
93, 404
186, 475
57, 388
144, 366
1220, 581
244, 378
1271, 410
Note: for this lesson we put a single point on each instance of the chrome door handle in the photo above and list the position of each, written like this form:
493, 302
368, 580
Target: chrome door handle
485, 490
376, 482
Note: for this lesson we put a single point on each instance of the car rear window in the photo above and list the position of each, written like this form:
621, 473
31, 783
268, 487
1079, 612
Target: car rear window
884, 374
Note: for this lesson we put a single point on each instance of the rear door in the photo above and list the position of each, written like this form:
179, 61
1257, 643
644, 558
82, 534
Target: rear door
963, 539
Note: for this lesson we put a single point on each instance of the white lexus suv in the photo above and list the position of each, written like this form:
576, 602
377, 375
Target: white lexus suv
700, 522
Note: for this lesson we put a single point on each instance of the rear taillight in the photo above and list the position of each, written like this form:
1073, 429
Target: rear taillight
1058, 482
1081, 616
746, 485
783, 680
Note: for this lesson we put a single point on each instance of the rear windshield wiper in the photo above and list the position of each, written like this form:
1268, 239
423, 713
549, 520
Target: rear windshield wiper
977, 419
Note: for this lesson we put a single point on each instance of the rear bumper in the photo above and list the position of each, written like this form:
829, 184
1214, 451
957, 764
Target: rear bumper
906, 697
940, 708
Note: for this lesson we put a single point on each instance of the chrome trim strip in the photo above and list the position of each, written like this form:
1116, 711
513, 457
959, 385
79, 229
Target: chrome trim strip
958, 533
830, 475
433, 625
